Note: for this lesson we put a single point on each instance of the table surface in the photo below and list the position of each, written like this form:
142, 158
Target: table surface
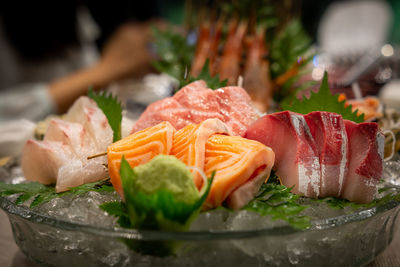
11, 256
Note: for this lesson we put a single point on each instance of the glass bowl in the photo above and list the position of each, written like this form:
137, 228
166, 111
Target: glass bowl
351, 239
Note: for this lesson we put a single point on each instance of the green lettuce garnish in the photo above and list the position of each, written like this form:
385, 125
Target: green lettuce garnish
111, 108
323, 100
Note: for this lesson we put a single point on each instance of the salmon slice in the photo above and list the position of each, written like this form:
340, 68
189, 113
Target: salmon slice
139, 148
190, 142
241, 166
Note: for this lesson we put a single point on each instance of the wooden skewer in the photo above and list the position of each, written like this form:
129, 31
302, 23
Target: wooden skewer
97, 155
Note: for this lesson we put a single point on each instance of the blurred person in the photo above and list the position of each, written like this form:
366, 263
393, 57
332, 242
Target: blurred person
49, 51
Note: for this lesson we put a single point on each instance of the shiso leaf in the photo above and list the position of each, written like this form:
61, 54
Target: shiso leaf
111, 108
323, 100
337, 203
278, 202
40, 193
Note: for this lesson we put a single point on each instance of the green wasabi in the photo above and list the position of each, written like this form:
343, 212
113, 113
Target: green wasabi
160, 195
167, 173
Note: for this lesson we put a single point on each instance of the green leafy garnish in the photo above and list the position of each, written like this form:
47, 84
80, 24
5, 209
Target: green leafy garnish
111, 108
213, 82
337, 203
42, 193
286, 48
278, 202
119, 210
174, 53
323, 100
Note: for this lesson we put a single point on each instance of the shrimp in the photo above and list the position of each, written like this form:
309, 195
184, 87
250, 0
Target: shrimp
202, 49
256, 72
229, 67
213, 51
207, 47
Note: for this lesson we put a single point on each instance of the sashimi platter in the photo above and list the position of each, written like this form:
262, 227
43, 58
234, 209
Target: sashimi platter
203, 178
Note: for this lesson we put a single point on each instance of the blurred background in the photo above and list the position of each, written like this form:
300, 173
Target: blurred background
53, 52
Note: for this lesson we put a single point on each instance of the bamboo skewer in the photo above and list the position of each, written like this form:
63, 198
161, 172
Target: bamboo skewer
97, 155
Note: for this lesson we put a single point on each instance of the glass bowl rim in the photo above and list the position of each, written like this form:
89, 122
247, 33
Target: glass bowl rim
153, 235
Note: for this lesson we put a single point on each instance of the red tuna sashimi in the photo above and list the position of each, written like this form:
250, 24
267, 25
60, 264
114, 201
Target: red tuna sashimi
296, 156
366, 143
228, 104
330, 136
195, 103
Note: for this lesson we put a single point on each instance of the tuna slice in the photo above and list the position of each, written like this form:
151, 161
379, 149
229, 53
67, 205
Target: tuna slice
366, 144
139, 148
296, 155
190, 144
330, 137
241, 166
195, 103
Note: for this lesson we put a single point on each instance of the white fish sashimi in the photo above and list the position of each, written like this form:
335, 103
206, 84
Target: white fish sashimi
41, 160
75, 173
62, 157
93, 120
70, 134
